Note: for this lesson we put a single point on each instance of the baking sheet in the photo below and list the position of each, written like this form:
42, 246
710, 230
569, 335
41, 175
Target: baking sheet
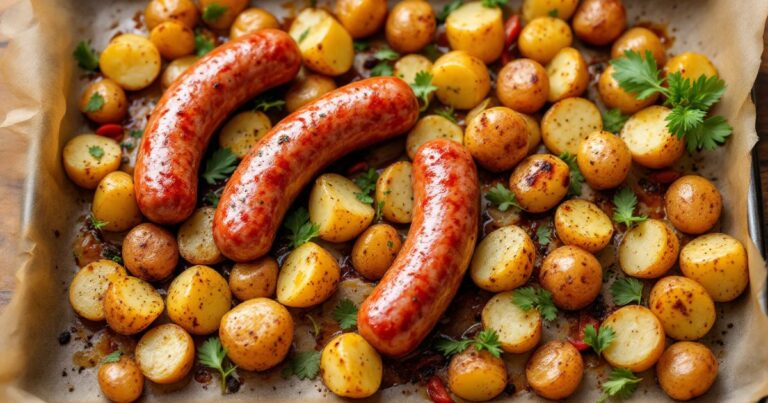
42, 81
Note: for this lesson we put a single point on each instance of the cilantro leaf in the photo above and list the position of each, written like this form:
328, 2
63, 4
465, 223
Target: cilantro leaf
449, 347
213, 355
485, 340
300, 228
386, 54
86, 57
448, 9
94, 103
626, 291
213, 12
383, 69
528, 298
422, 87
625, 202
544, 235
575, 176
345, 313
501, 197
361, 45
446, 112
613, 121
367, 180
112, 357
713, 132
203, 44
598, 340
305, 365
494, 3
700, 94
222, 163
637, 74
621, 383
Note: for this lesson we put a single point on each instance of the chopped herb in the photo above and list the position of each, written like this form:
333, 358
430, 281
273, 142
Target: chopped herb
432, 52
494, 3
613, 120
112, 357
446, 112
553, 13
386, 54
625, 202
383, 69
86, 57
598, 340
345, 313
305, 365
361, 45
96, 223
315, 326
544, 235
379, 210
390, 244
300, 229
528, 298
448, 9
213, 12
213, 355
422, 87
267, 102
117, 259
94, 103
212, 197
303, 35
575, 176
203, 44
626, 291
364, 198
621, 383
221, 164
485, 340
501, 197
367, 181
96, 152
136, 133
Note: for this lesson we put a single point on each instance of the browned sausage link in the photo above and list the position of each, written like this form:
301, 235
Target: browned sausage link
193, 107
265, 183
424, 277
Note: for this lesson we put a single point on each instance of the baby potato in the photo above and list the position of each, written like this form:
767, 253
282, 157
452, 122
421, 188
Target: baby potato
307, 89
543, 37
114, 202
257, 334
534, 132
691, 66
431, 127
89, 286
197, 299
88, 158
231, 9
649, 140
477, 30
573, 276
325, 45
497, 138
375, 250
477, 375
604, 160
683, 306
114, 105
410, 26
503, 260
555, 370
719, 263
483, 105
599, 22
252, 20
640, 40
176, 68
639, 338
350, 367
121, 381
173, 39
541, 8
568, 75
409, 65
686, 370
462, 80
257, 279
519, 331
165, 354
568, 122
523, 85
395, 193
693, 204
131, 305
243, 131
334, 207
581, 223
614, 96
308, 277
158, 11
195, 238
150, 252
539, 182
131, 60
648, 250
361, 18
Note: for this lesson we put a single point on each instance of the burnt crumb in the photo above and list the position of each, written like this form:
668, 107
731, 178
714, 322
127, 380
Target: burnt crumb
80, 370
233, 384
64, 373
370, 63
597, 309
56, 233
64, 338
71, 389
510, 389
203, 376
283, 139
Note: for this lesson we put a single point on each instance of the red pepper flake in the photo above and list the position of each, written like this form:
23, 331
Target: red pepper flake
437, 392
111, 130
359, 167
512, 29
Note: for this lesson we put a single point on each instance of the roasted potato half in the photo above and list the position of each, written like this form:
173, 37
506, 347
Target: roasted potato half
540, 8
394, 192
573, 276
336, 210
568, 122
257, 334
131, 60
197, 299
375, 250
176, 68
476, 375
477, 30
195, 238
503, 260
122, 380
325, 44
649, 140
581, 223
243, 131
518, 330
131, 305
432, 127
691, 66
256, 279
555, 369
88, 158
639, 338
462, 80
719, 263
567, 74
648, 250
89, 287
543, 37
408, 66
693, 204
604, 160
306, 89
539, 182
361, 17
686, 370
350, 367
614, 96
683, 306
308, 277
166, 353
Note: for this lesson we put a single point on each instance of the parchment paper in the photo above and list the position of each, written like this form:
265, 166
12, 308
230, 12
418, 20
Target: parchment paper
40, 85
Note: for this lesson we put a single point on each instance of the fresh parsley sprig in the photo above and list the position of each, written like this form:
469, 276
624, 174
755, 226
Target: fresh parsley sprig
621, 383
305, 365
422, 87
485, 340
345, 313
213, 355
528, 298
367, 184
212, 12
300, 229
384, 55
613, 121
268, 101
575, 176
448, 9
96, 223
95, 102
86, 57
625, 202
203, 44
360, 45
446, 112
626, 291
96, 152
598, 339
544, 235
112, 357
501, 197
221, 164
494, 3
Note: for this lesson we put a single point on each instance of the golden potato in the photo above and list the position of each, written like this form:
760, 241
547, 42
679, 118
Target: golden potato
394, 192
539, 182
252, 20
158, 11
89, 157
462, 80
503, 260
693, 204
361, 18
604, 160
408, 66
173, 39
638, 341
131, 60
477, 375
336, 210
176, 68
326, 47
719, 263
487, 103
599, 22
150, 252
541, 8
497, 138
649, 140
375, 250
115, 204
257, 334
131, 305
567, 74
523, 85
534, 132
477, 30
640, 40
309, 275
568, 122
555, 370
104, 101
243, 131
581, 223
519, 331
691, 66
195, 238
89, 286
431, 127
683, 306
121, 381
197, 299
307, 89
257, 279
648, 250
165, 354
686, 370
614, 96
219, 14
573, 276
410, 26
543, 37
350, 367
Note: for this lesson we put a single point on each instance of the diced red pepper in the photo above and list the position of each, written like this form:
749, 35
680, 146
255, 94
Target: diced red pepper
437, 392
359, 167
578, 339
111, 130
665, 177
512, 29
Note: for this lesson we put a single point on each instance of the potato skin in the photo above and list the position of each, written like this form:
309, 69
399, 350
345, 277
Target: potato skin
568, 75
686, 370
568, 122
543, 37
599, 22
693, 204
582, 223
350, 367
541, 8
555, 369
114, 202
572, 275
375, 250
158, 11
410, 26
691, 65
640, 40
173, 39
523, 85
232, 9
165, 353
306, 90
257, 334
462, 80
115, 105
503, 260
131, 60
121, 381
175, 68
361, 18
497, 138
477, 30
257, 279
197, 299
539, 182
683, 306
719, 263
476, 375
252, 20
131, 305
604, 160
614, 96
150, 252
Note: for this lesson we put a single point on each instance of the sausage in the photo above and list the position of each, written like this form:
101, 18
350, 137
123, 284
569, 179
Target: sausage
427, 272
275, 170
193, 107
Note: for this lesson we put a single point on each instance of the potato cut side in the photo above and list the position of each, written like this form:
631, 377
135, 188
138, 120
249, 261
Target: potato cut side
335, 208
327, 48
581, 223
308, 277
165, 354
683, 306
198, 298
432, 127
476, 375
639, 340
719, 263
410, 65
114, 202
519, 331
350, 367
477, 30
89, 157
88, 288
195, 238
649, 140
648, 250
307, 18
394, 191
243, 131
462, 80
568, 122
131, 305
568, 75
503, 260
